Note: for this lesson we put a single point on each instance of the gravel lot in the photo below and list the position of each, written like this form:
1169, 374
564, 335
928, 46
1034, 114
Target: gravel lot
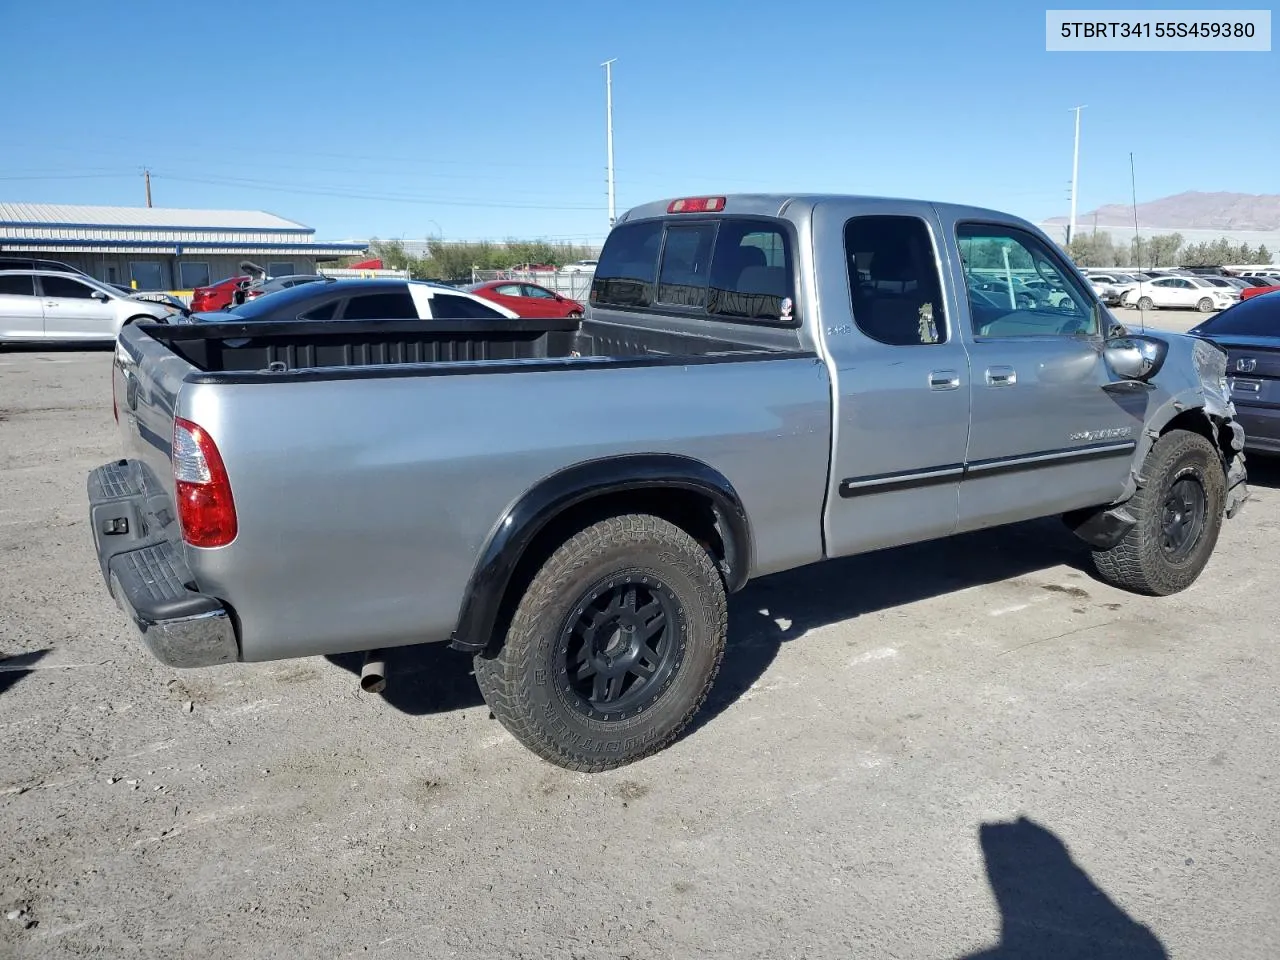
960, 749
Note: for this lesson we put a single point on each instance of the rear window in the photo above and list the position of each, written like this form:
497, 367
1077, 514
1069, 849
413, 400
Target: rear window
730, 269
628, 265
1257, 317
751, 272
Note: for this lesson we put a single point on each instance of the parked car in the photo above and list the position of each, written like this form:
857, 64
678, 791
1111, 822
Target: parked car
527, 299
360, 299
570, 501
580, 266
52, 306
269, 285
1118, 283
1181, 293
218, 295
1250, 333
1266, 285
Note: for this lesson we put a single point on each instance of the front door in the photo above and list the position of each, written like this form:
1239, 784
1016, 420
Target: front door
1052, 428
72, 313
901, 376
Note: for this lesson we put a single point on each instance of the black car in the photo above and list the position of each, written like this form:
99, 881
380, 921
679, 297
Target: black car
380, 299
1250, 333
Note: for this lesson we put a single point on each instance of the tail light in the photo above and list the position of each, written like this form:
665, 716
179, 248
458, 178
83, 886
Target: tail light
206, 510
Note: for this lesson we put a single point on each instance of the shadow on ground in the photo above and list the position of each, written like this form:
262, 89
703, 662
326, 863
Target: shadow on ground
1049, 907
13, 669
431, 678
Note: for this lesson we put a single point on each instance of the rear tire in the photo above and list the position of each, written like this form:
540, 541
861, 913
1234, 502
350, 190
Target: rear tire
1146, 303
1205, 305
1179, 510
613, 646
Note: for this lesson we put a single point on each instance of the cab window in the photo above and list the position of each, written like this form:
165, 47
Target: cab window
1018, 287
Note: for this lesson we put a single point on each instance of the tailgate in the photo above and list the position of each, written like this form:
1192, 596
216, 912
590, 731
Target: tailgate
1254, 371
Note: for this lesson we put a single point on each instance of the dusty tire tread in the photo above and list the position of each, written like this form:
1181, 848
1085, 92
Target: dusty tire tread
507, 680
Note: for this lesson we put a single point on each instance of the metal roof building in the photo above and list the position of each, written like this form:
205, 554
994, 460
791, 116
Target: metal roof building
159, 248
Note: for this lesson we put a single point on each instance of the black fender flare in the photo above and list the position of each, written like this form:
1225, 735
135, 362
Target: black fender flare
554, 494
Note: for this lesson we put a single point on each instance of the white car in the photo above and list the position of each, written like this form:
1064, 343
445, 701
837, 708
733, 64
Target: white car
1181, 293
580, 266
47, 306
1118, 283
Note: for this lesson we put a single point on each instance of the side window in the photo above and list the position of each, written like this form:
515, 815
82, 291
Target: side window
1008, 307
324, 311
445, 306
686, 265
628, 267
528, 290
893, 280
751, 272
1163, 283
381, 306
509, 290
18, 285
65, 288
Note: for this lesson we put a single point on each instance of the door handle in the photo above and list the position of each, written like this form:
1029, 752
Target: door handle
944, 380
1001, 376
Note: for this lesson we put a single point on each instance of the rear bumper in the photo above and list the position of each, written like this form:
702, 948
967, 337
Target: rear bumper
148, 576
1261, 427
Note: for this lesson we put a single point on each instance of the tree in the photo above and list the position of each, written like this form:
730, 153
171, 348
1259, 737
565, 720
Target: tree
1263, 255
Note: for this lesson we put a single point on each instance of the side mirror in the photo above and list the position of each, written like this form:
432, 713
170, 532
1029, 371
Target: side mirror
1135, 358
99, 295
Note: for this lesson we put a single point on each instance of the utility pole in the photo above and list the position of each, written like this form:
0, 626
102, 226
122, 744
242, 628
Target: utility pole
608, 98
146, 175
1075, 176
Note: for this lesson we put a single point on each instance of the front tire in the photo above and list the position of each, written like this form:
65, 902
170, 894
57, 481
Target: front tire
1179, 509
613, 646
1205, 305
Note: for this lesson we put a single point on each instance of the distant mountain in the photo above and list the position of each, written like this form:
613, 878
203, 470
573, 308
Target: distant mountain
1190, 211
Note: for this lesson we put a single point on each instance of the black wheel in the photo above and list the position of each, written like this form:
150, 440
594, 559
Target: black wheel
1179, 509
1205, 305
613, 646
1146, 303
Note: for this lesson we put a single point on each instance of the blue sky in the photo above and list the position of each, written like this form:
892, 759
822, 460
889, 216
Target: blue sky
487, 120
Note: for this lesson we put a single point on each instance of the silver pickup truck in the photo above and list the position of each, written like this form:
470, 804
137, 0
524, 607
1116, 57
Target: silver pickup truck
761, 382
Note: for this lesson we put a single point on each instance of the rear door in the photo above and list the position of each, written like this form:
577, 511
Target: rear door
21, 313
72, 313
540, 302
901, 375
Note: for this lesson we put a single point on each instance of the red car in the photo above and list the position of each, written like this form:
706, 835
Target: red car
527, 299
217, 295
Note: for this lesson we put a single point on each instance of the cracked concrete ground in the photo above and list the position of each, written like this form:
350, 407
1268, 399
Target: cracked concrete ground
959, 749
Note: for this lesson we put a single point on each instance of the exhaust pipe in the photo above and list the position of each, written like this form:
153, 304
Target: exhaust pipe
373, 676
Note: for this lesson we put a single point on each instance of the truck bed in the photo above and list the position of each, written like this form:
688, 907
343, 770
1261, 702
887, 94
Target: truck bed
227, 352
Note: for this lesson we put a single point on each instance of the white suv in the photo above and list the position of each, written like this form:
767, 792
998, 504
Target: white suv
48, 306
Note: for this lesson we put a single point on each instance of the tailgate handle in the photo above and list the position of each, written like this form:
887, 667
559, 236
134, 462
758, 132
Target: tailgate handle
1246, 386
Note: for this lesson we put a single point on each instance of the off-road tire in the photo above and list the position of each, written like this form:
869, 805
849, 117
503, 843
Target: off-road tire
1205, 305
524, 683
1140, 563
1146, 303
